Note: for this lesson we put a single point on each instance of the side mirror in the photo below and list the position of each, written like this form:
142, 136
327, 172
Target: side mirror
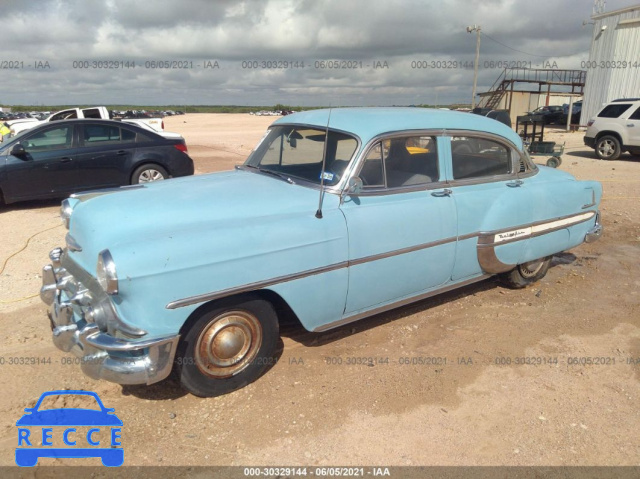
18, 150
354, 186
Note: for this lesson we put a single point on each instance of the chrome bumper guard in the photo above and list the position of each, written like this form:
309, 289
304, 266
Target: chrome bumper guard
595, 232
102, 355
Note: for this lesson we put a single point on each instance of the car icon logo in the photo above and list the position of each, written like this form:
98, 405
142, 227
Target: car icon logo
39, 422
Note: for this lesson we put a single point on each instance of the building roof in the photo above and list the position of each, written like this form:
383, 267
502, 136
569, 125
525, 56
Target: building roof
616, 12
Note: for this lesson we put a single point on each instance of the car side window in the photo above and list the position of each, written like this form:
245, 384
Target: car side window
101, 134
127, 135
401, 162
51, 139
636, 115
64, 115
478, 157
614, 110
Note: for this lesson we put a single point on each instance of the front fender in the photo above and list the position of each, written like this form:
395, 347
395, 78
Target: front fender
163, 279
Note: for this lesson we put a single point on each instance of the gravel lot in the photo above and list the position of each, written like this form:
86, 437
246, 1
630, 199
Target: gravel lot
471, 411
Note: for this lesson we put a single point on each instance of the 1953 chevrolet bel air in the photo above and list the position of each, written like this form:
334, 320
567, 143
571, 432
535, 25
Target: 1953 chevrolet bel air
335, 216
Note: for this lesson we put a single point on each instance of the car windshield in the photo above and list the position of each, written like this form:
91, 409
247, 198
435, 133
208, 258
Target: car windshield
295, 153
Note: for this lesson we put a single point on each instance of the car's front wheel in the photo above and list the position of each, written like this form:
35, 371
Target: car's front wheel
526, 273
148, 173
608, 148
227, 346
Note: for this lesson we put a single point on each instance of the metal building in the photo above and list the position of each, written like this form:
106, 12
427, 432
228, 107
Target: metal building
613, 69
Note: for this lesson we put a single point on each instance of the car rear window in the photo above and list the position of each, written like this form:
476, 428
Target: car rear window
479, 158
636, 115
614, 110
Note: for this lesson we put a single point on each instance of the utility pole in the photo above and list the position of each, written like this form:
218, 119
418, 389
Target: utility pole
470, 29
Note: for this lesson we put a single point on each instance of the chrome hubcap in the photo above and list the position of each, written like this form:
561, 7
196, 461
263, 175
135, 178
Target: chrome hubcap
150, 175
228, 344
606, 148
530, 269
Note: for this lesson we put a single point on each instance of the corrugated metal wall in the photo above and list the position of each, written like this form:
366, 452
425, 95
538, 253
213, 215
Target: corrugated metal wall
617, 43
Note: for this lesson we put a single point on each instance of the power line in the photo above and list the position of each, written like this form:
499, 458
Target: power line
510, 48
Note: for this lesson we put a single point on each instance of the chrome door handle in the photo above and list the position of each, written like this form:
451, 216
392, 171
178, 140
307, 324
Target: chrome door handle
65, 159
515, 184
630, 125
445, 192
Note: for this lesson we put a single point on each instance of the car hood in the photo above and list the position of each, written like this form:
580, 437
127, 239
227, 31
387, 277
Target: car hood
186, 208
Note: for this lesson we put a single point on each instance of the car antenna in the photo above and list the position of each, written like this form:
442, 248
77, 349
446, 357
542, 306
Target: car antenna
324, 160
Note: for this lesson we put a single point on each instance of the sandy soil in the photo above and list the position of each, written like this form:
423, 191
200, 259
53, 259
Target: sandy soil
473, 410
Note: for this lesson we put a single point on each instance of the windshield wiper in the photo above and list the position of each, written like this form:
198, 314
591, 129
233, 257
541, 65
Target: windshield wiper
272, 173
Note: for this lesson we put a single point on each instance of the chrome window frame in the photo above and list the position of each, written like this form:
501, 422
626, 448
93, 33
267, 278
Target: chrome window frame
336, 189
516, 156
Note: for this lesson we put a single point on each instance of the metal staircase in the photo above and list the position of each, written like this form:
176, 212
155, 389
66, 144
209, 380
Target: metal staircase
509, 76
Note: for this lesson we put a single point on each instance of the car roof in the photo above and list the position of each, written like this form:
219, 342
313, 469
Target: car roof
94, 121
368, 123
87, 120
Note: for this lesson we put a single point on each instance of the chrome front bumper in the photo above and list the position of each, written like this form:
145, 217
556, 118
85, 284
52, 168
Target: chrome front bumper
595, 232
102, 355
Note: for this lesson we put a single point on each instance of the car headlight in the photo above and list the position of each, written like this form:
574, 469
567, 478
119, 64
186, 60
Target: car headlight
65, 212
106, 272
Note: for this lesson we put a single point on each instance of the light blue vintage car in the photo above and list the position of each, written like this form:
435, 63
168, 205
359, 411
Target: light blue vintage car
335, 216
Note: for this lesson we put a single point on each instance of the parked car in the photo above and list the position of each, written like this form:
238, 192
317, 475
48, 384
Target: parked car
499, 115
97, 112
55, 160
550, 114
576, 113
336, 215
615, 129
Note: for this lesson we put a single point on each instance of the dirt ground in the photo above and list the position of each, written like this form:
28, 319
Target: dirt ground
480, 408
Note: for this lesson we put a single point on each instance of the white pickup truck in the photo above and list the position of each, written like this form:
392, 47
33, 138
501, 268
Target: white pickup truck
17, 126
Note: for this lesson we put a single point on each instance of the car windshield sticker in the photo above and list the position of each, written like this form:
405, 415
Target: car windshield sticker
327, 176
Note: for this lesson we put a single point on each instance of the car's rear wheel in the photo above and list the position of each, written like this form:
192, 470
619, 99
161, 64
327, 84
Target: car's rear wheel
526, 273
608, 148
227, 346
148, 173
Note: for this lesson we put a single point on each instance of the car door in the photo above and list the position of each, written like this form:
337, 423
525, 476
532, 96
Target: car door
105, 154
401, 225
633, 129
46, 169
493, 203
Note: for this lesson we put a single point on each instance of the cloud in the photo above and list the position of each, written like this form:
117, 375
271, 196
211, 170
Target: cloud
281, 33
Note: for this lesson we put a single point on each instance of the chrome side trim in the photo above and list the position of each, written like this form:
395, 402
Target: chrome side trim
254, 286
467, 236
302, 274
397, 304
487, 241
486, 256
531, 230
409, 249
